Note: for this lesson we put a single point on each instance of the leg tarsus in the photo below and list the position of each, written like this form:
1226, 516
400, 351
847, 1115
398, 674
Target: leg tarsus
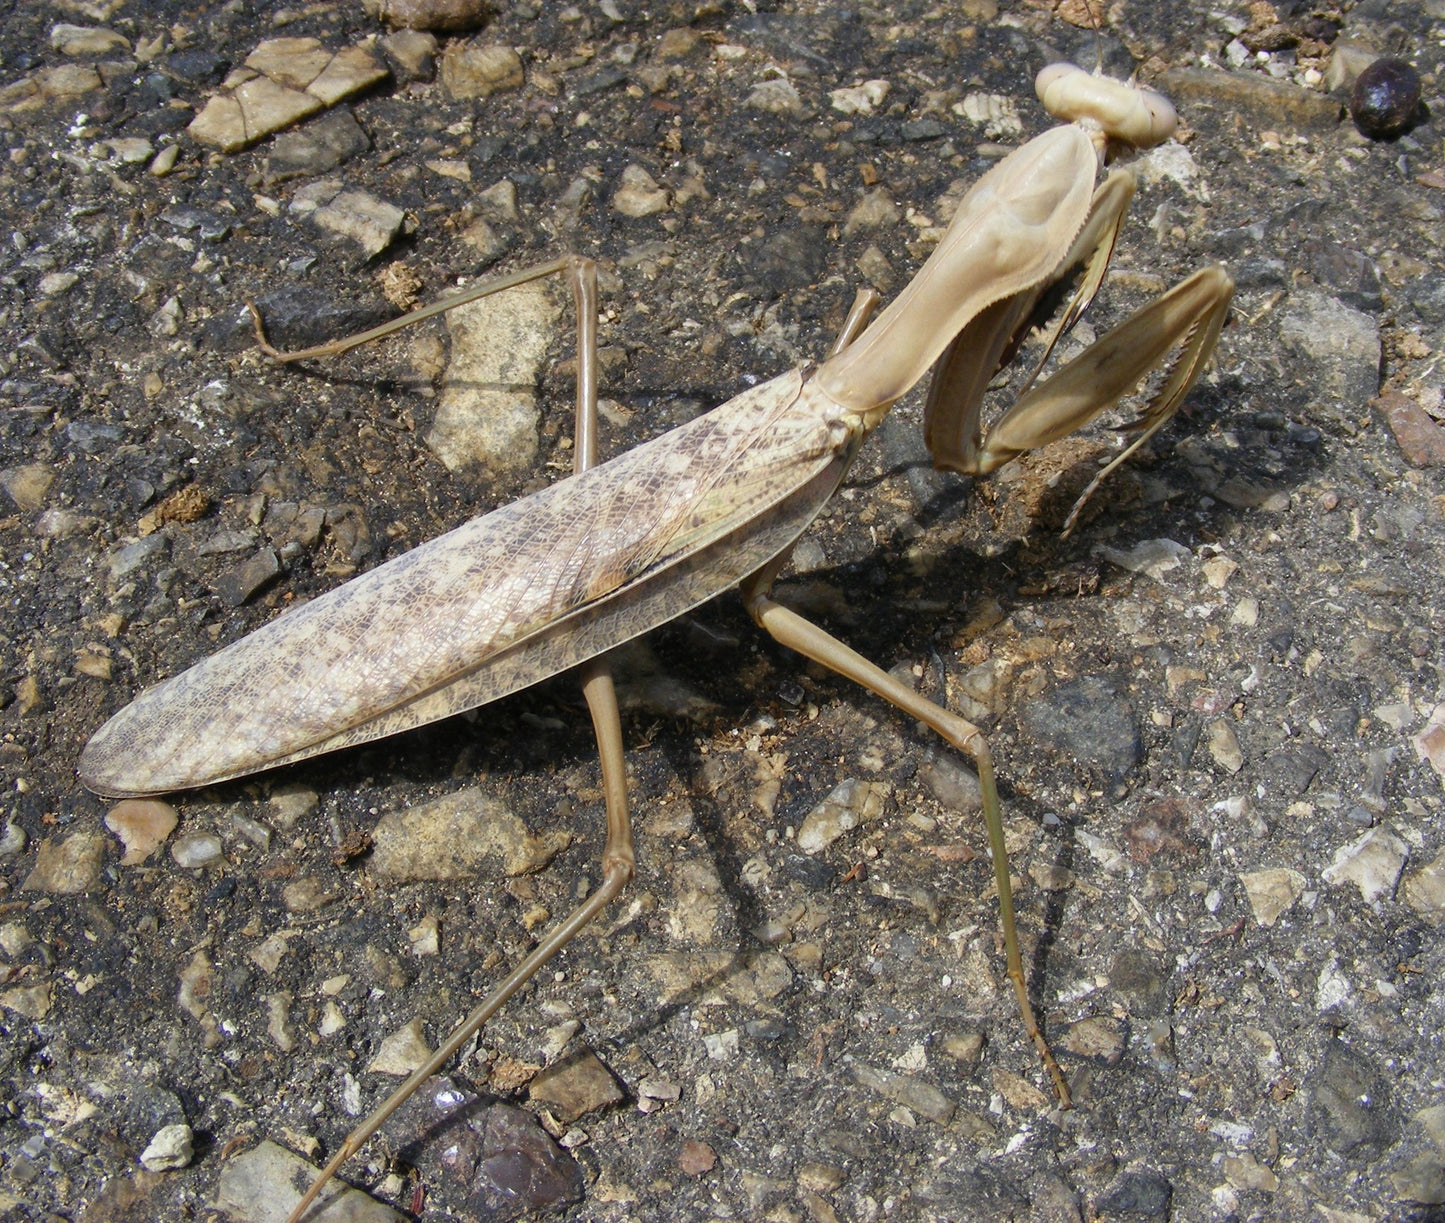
614, 879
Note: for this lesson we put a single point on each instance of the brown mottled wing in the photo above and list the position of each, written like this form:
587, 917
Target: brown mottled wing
499, 603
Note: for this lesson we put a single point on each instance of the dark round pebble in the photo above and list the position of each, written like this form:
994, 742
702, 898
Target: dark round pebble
1385, 98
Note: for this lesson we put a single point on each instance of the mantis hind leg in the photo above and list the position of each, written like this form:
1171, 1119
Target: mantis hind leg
796, 632
569, 264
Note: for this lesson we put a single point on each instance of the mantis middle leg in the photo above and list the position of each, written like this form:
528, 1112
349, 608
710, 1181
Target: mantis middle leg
618, 856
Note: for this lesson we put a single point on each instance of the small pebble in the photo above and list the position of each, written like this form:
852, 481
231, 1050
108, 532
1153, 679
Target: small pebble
1332, 987
278, 1021
639, 194
1096, 1040
657, 1092
777, 97
370, 222
447, 839
80, 40
556, 1039
1424, 889
721, 1046
697, 1158
332, 1020
499, 1156
964, 1047
579, 1085
31, 1001
904, 1089
1385, 98
402, 1052
1430, 742
1246, 1172
253, 1182
28, 486
306, 895
14, 939
1152, 557
1348, 1103
142, 824
425, 936
1218, 570
171, 1148
1018, 1092
1224, 746
444, 16
1372, 862
470, 71
952, 783
859, 99
68, 867
412, 54
290, 802
165, 161
820, 1177
850, 803
1272, 893
196, 849
267, 955
1137, 1194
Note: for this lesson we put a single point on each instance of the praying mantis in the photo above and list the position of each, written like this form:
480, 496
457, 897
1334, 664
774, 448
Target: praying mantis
554, 581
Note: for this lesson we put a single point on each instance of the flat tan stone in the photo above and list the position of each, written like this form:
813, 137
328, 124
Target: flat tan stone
31, 1001
68, 867
265, 1183
471, 71
81, 40
28, 486
402, 1052
284, 81
255, 109
62, 83
1272, 893
575, 1087
290, 61
350, 71
362, 217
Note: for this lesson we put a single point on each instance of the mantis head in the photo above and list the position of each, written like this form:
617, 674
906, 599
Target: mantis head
1110, 111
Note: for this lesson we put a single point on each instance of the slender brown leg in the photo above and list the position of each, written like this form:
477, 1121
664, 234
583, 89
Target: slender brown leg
788, 628
483, 288
618, 858
617, 867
